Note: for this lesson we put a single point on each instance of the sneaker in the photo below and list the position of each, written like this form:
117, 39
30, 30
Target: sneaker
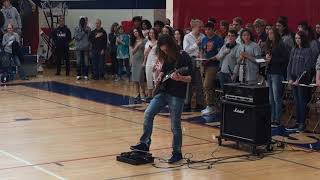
86, 78
208, 110
294, 128
275, 124
301, 128
78, 77
142, 147
175, 157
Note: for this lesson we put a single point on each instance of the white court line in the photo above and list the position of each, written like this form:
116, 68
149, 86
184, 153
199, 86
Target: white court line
35, 167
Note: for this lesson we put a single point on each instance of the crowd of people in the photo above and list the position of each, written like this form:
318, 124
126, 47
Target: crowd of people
220, 53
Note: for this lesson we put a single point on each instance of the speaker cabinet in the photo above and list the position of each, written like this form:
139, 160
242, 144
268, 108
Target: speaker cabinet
246, 123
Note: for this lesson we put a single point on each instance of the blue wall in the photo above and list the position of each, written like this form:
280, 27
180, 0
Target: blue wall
115, 4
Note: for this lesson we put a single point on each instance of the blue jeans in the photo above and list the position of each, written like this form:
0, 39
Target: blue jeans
82, 63
275, 95
97, 64
301, 96
175, 107
224, 78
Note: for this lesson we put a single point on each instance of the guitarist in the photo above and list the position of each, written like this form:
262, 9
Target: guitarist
172, 94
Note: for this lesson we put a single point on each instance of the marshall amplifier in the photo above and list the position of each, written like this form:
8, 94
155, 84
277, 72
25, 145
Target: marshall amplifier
249, 94
246, 123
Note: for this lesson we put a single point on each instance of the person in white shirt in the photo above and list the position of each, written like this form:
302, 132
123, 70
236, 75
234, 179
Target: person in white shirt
191, 45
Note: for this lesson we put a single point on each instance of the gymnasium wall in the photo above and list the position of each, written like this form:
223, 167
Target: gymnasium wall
296, 10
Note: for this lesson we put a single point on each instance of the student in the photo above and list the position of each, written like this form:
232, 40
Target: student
261, 35
98, 39
299, 71
318, 31
167, 30
314, 43
61, 37
223, 29
318, 72
282, 26
146, 26
150, 59
211, 45
237, 25
228, 59
277, 58
137, 44
123, 55
248, 52
158, 25
113, 49
11, 16
172, 94
137, 22
11, 44
191, 45
81, 37
178, 36
268, 27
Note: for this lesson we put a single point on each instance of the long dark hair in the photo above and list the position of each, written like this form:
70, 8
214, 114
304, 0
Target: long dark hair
113, 26
172, 48
156, 34
181, 35
304, 40
277, 38
250, 33
147, 23
133, 38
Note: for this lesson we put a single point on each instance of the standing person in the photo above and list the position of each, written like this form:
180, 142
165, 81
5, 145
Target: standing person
150, 59
268, 27
113, 49
98, 39
223, 29
11, 44
123, 54
81, 37
248, 52
228, 58
61, 37
146, 26
137, 22
167, 30
158, 25
318, 31
318, 72
237, 25
191, 45
282, 26
172, 94
211, 44
137, 44
299, 71
277, 58
314, 44
261, 35
168, 22
178, 36
11, 16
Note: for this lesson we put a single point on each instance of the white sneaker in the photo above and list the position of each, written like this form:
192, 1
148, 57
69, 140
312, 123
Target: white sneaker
208, 110
78, 77
86, 78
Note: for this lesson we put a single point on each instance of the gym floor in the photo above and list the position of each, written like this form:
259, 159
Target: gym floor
59, 128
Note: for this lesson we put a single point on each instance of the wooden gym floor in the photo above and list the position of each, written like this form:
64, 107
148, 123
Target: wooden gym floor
47, 135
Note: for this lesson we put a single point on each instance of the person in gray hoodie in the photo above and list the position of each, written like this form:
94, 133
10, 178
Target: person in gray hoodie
11, 44
81, 37
11, 16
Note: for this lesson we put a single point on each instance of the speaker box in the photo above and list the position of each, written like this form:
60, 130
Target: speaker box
246, 123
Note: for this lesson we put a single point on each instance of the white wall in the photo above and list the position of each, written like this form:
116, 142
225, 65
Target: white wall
169, 10
107, 16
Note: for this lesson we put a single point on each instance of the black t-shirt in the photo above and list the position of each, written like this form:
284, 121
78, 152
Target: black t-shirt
172, 87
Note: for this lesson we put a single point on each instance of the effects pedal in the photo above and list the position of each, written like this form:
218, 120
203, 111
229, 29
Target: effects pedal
135, 157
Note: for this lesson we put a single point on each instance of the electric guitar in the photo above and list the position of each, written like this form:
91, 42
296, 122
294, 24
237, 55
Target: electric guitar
161, 85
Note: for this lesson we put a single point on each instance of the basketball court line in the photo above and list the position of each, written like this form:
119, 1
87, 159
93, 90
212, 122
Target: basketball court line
293, 162
28, 163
